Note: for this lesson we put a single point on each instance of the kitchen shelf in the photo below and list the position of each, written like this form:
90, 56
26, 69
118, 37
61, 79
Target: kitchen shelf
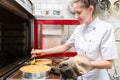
52, 32
38, 29
49, 17
57, 21
59, 55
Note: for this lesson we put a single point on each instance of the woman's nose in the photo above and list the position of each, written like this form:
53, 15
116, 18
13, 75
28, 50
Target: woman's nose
76, 16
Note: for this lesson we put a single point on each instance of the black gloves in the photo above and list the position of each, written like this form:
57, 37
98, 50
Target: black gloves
76, 66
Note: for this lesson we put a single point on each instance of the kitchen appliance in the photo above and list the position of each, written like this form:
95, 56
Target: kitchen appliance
15, 37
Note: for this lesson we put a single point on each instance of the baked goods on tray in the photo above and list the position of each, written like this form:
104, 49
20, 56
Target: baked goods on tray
42, 61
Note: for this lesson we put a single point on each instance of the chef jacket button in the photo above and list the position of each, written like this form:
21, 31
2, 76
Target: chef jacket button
93, 28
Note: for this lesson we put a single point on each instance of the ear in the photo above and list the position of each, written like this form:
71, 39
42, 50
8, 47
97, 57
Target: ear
91, 8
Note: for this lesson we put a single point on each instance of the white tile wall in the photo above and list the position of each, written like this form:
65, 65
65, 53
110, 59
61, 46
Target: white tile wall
41, 6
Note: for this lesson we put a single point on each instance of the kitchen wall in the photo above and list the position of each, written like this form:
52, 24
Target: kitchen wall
52, 8
117, 61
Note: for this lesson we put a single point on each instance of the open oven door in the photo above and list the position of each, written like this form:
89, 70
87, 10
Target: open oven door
15, 36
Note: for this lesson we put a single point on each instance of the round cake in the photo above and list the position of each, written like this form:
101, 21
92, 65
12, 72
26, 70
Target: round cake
35, 68
42, 61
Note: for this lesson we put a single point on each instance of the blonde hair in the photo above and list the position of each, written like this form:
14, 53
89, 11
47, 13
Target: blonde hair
87, 3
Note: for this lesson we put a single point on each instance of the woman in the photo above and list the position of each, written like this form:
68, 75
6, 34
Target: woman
94, 37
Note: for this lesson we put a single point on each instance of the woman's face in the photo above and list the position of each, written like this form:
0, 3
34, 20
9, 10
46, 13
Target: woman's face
84, 15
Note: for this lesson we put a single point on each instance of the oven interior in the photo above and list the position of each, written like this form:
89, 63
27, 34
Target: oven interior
15, 41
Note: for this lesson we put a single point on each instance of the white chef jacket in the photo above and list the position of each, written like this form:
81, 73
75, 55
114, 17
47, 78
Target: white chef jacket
98, 41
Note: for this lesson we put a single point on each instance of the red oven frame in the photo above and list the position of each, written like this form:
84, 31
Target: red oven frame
55, 22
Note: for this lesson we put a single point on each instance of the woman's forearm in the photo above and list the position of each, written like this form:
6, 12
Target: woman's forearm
102, 64
57, 49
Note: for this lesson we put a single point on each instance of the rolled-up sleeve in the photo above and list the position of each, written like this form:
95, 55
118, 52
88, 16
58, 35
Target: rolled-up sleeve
71, 40
108, 45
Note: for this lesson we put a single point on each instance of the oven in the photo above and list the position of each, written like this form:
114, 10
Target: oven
15, 37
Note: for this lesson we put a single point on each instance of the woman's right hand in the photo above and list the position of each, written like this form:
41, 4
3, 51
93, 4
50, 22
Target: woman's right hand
36, 52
